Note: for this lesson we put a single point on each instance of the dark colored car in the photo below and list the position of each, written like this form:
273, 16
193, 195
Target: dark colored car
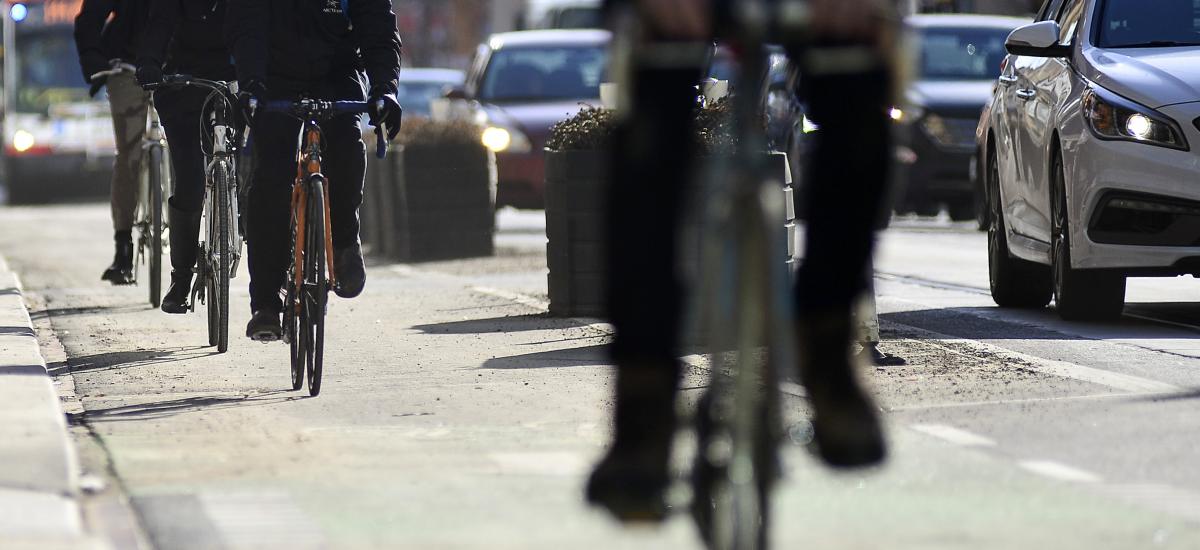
959, 60
522, 83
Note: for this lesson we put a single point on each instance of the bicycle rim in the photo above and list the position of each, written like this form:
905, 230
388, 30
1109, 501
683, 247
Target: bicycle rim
293, 317
317, 284
156, 224
223, 256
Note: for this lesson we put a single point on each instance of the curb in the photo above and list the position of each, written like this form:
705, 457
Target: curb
38, 467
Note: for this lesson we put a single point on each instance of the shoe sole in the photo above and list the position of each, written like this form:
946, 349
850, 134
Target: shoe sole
265, 337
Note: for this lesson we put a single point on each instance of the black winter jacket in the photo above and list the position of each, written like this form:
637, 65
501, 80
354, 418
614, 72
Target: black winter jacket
98, 39
295, 46
187, 37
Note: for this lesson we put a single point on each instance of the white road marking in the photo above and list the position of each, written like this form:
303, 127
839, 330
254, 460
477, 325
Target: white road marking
552, 463
953, 435
266, 519
1053, 367
1059, 471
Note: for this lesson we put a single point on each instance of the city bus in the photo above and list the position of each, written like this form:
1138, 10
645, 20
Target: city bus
58, 141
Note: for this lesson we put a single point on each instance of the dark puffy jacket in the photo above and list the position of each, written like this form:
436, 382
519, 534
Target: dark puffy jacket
297, 45
99, 39
187, 37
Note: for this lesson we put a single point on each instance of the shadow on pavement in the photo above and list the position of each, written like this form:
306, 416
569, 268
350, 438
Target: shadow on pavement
986, 323
69, 311
589, 356
513, 323
127, 359
171, 407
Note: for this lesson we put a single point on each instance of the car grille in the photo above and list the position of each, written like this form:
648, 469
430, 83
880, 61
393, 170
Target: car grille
950, 132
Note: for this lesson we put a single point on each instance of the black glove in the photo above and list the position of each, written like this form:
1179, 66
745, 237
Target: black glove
253, 91
383, 109
93, 63
149, 75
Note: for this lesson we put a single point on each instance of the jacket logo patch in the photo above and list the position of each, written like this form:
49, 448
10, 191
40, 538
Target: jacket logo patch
333, 6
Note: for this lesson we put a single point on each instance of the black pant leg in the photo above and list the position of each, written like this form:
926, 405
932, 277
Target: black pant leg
650, 165
846, 184
269, 210
345, 164
180, 111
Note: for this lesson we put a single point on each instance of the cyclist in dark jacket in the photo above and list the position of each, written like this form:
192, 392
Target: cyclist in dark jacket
184, 37
106, 32
288, 49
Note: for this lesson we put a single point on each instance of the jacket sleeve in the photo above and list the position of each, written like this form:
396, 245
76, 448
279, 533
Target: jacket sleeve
89, 26
160, 27
248, 36
374, 30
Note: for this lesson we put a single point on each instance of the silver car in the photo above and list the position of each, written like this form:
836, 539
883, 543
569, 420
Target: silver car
1086, 154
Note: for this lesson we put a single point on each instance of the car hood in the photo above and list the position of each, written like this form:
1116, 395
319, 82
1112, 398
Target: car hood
535, 119
1154, 77
951, 94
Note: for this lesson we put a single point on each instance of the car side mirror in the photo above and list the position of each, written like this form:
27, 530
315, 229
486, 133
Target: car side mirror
457, 92
1037, 40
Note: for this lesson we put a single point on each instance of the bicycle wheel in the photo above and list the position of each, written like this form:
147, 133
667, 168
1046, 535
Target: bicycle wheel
737, 423
294, 320
209, 271
156, 223
223, 237
316, 291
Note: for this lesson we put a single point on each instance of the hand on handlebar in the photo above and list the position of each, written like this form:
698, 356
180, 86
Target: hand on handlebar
385, 113
248, 99
149, 75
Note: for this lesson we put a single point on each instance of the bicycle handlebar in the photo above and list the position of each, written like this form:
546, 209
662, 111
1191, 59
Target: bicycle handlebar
317, 109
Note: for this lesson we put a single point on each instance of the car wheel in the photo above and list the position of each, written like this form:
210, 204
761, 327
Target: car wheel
925, 208
979, 198
962, 209
1015, 282
1079, 294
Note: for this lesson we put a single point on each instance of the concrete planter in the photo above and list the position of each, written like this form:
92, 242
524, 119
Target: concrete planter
431, 202
575, 202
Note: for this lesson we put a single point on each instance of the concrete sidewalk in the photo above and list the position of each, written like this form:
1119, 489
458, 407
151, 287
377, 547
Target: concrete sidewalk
38, 471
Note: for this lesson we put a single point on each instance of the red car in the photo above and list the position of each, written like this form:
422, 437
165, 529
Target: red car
522, 83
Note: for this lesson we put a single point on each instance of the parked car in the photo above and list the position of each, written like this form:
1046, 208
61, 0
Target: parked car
959, 60
420, 86
564, 14
518, 86
1087, 154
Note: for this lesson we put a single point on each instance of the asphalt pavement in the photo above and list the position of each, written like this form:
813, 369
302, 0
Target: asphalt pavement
456, 414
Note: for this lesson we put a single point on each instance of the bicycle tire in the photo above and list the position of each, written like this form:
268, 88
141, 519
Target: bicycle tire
155, 181
208, 272
221, 180
293, 320
317, 286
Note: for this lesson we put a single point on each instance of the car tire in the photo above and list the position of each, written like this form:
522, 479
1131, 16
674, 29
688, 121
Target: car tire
1079, 294
1015, 283
962, 210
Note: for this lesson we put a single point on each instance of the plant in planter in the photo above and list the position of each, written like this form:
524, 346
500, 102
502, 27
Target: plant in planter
576, 167
434, 195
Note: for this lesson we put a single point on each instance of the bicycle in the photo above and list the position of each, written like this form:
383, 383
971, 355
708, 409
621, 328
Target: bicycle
311, 274
221, 241
153, 176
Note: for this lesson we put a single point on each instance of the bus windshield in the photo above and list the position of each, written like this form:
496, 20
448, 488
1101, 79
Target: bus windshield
46, 70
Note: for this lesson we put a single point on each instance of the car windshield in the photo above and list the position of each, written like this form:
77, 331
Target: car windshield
949, 53
1143, 24
544, 73
416, 96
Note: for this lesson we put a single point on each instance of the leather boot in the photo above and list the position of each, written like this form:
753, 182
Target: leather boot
846, 427
185, 237
631, 480
121, 270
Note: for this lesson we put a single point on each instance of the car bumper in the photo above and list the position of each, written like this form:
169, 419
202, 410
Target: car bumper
1140, 207
521, 179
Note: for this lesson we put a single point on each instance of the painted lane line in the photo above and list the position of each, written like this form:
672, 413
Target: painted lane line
513, 297
1053, 367
953, 435
1059, 471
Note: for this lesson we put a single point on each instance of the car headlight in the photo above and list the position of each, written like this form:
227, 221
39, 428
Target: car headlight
23, 141
907, 114
505, 140
935, 126
1115, 118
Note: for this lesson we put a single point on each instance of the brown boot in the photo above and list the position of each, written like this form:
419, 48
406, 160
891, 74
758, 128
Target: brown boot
631, 480
846, 428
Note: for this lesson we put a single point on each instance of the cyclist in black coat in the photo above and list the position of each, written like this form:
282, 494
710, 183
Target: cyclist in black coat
184, 37
320, 49
106, 31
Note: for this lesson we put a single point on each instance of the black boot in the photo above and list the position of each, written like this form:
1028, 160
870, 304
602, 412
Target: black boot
350, 270
121, 270
846, 428
185, 237
631, 480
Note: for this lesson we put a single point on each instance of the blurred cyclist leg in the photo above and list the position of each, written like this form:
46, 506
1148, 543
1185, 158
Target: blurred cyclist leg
180, 110
129, 104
